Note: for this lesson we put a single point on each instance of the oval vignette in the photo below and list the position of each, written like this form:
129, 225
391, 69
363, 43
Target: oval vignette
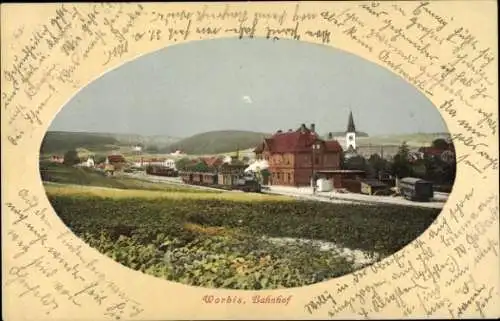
198, 160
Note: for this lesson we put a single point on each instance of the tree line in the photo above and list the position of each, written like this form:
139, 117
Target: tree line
432, 168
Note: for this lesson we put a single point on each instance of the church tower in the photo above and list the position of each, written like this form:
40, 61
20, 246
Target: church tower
350, 135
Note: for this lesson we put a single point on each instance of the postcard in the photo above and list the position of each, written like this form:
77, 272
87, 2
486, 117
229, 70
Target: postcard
250, 160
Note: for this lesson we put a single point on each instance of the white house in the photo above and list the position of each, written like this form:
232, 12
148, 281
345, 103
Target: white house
170, 163
178, 153
138, 163
163, 162
227, 159
88, 163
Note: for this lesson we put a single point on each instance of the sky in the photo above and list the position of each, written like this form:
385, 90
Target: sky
250, 84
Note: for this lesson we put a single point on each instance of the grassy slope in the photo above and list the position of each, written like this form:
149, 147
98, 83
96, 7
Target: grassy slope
175, 192
61, 174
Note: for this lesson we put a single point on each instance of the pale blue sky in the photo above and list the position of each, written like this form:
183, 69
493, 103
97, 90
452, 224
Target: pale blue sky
250, 84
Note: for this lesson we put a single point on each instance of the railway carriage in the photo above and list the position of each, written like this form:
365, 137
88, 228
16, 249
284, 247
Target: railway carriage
161, 171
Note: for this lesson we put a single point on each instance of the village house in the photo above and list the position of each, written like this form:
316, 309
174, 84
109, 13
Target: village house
230, 171
178, 153
445, 153
115, 163
216, 169
296, 155
57, 159
90, 163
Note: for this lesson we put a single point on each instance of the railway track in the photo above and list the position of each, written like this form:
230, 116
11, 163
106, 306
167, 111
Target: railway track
176, 181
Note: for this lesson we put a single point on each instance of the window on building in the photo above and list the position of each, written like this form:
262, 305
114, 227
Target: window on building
316, 160
289, 177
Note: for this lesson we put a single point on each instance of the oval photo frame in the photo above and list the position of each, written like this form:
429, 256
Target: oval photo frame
351, 162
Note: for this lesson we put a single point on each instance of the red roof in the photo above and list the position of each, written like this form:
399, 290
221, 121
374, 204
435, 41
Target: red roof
296, 141
432, 151
116, 159
214, 161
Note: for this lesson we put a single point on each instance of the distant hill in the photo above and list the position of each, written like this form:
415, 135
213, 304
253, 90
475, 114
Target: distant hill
62, 141
216, 142
413, 140
342, 134
133, 139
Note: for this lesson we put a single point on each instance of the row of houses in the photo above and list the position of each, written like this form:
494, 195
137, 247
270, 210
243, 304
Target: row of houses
120, 161
161, 162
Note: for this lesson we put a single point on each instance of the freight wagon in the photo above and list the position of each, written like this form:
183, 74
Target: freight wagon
416, 189
161, 171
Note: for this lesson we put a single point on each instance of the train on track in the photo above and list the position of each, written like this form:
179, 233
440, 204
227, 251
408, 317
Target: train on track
161, 171
242, 182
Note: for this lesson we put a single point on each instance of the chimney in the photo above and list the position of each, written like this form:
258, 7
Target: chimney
279, 131
302, 128
330, 135
290, 130
313, 128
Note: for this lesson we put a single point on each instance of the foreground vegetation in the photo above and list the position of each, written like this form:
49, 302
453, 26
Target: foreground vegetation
219, 239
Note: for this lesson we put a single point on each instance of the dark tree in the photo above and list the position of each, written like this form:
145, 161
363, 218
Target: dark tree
356, 163
71, 158
99, 159
377, 164
440, 143
182, 164
200, 167
419, 168
401, 166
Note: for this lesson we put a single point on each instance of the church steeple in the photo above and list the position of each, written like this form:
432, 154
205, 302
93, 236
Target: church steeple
350, 124
350, 135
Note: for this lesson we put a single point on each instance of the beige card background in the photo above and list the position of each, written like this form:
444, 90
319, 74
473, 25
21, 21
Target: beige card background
452, 270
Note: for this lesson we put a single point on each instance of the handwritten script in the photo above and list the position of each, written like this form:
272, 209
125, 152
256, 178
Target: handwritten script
32, 233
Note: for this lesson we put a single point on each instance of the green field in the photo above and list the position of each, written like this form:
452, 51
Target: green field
220, 240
